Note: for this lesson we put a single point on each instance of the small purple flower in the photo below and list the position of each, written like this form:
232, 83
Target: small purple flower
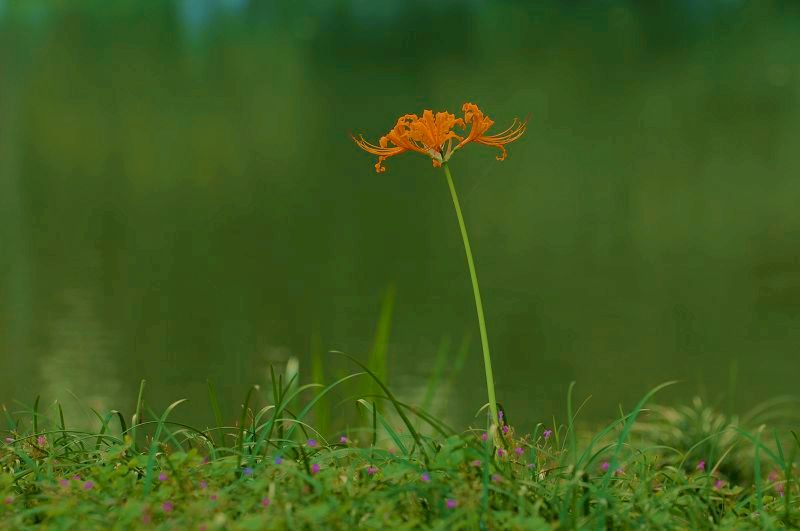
312, 443
500, 414
501, 452
213, 497
315, 468
343, 440
519, 450
372, 470
203, 484
206, 460
719, 484
76, 477
168, 506
476, 463
497, 478
425, 477
41, 440
9, 440
64, 482
9, 500
265, 502
451, 503
88, 485
278, 460
163, 476
773, 476
604, 466
484, 436
248, 471
547, 434
505, 429
701, 466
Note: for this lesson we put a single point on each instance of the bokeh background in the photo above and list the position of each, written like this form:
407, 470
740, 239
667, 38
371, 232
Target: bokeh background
180, 199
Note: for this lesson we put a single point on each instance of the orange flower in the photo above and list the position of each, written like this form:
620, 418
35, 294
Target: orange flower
481, 123
426, 135
433, 135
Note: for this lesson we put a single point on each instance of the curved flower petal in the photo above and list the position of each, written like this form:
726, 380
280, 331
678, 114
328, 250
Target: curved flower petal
480, 123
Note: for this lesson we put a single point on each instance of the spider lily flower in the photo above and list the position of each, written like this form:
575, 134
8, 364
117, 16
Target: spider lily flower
432, 135
480, 123
426, 135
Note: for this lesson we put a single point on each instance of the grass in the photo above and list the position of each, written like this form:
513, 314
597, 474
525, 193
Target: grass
654, 467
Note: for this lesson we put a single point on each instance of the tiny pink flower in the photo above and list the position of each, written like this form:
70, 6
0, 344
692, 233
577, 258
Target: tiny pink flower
500, 452
203, 485
484, 436
497, 478
64, 482
265, 502
425, 477
9, 440
773, 476
547, 434
701, 466
278, 460
500, 414
393, 450
719, 484
9, 500
451, 503
76, 477
88, 485
206, 460
315, 468
372, 470
168, 506
213, 497
162, 476
519, 451
604, 466
312, 443
41, 440
505, 429
146, 519
343, 439
476, 463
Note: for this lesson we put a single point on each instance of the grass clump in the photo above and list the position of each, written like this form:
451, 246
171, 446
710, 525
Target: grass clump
671, 468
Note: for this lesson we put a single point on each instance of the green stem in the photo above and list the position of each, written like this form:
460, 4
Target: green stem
487, 359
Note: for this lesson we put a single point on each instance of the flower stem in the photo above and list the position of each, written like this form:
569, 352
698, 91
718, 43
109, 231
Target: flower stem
487, 359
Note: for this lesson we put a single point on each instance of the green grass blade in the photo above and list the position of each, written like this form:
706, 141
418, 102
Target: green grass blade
378, 356
36, 414
391, 397
243, 421
323, 414
151, 458
212, 396
376, 416
137, 416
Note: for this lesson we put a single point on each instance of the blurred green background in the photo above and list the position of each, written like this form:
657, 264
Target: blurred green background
180, 199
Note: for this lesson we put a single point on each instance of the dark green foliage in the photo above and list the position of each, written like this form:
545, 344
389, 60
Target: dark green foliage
274, 470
